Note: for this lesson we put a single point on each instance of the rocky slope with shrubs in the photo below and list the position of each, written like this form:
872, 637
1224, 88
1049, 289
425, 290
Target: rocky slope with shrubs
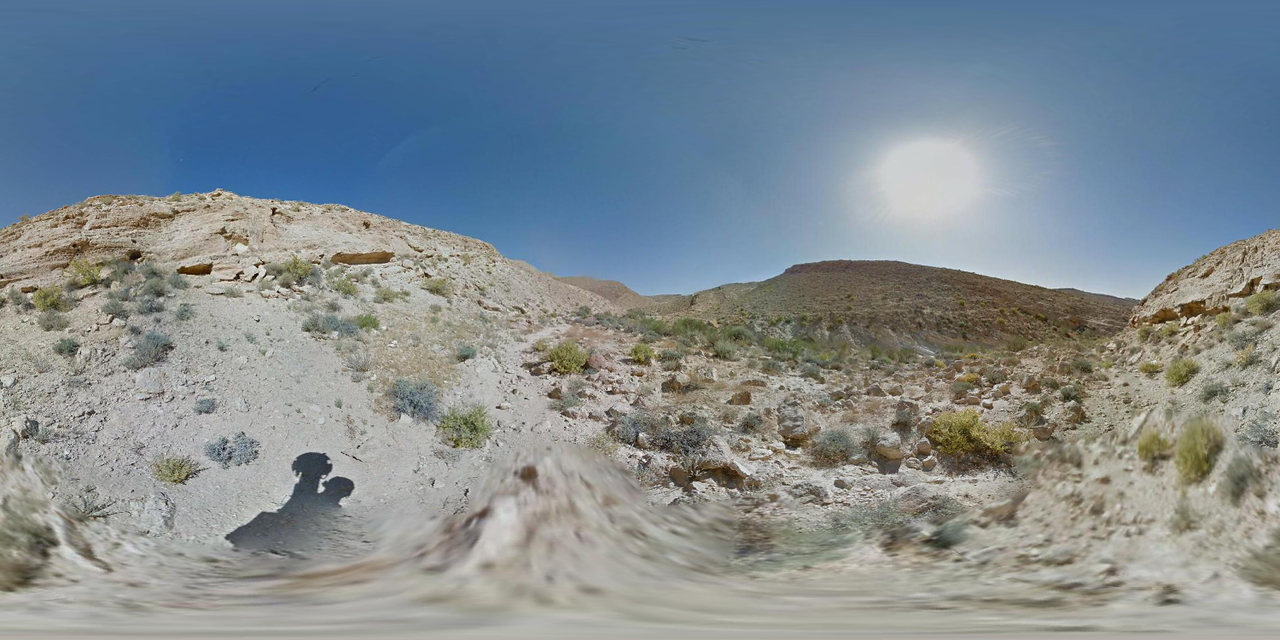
896, 302
168, 423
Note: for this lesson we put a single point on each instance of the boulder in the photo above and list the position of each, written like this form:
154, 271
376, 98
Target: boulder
794, 426
196, 269
889, 445
740, 398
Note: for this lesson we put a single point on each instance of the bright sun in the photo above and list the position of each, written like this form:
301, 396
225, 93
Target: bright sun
930, 178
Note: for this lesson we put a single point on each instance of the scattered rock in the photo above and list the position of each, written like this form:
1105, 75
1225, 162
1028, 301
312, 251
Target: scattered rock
889, 445
740, 398
149, 381
157, 515
7, 381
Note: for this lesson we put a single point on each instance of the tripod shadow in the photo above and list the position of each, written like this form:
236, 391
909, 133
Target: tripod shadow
302, 520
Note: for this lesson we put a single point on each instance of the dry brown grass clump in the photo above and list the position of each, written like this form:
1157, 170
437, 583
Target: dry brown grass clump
1197, 449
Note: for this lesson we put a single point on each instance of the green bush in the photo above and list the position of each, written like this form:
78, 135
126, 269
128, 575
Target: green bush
1241, 474
642, 354
115, 309
962, 433
1181, 371
1197, 450
1214, 391
1069, 393
148, 306
366, 321
53, 321
51, 298
66, 347
1262, 303
1225, 320
465, 353
467, 428
178, 281
567, 358
439, 286
418, 400
298, 268
148, 350
186, 311
344, 286
205, 406
386, 294
174, 469
1150, 368
81, 273
834, 447
1153, 446
724, 349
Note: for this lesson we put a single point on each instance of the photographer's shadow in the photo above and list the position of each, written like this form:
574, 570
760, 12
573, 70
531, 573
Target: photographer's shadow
305, 518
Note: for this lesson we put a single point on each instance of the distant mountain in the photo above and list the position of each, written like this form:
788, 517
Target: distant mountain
877, 300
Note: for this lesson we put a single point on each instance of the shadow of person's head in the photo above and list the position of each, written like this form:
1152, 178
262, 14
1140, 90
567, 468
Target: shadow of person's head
335, 489
312, 466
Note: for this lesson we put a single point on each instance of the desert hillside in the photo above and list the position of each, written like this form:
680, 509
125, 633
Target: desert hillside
230, 237
1213, 283
211, 400
876, 300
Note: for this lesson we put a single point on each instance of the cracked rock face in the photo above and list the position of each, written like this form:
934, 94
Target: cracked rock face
1211, 284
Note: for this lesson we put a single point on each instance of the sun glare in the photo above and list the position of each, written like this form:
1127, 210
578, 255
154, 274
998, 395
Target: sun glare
930, 178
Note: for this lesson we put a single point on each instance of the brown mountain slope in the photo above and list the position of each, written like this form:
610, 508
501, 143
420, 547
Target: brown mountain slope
877, 299
1210, 284
231, 237
611, 290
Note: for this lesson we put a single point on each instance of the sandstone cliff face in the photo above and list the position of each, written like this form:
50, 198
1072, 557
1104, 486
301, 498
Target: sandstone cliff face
1210, 284
229, 238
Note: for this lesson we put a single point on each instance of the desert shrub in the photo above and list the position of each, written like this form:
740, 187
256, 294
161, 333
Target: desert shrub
1069, 393
962, 433
299, 268
834, 447
465, 353
642, 354
148, 306
82, 273
66, 347
1225, 320
1169, 330
365, 321
1144, 332
812, 372
148, 350
418, 399
154, 287
1262, 303
53, 321
1259, 434
185, 311
771, 367
1246, 357
724, 349
737, 333
439, 286
14, 296
222, 345
115, 309
1197, 450
754, 424
1032, 412
1153, 446
205, 406
631, 426
972, 378
1082, 365
1015, 344
174, 469
1214, 391
1241, 474
567, 358
1263, 565
387, 294
344, 286
903, 418
1052, 384
1239, 339
51, 298
960, 387
1181, 371
178, 281
317, 323
1150, 368
466, 428
119, 270
686, 441
570, 397
150, 271
541, 346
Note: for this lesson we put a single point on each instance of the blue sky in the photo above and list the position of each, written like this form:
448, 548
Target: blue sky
673, 146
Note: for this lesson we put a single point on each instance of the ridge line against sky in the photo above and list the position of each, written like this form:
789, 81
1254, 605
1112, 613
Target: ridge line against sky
674, 145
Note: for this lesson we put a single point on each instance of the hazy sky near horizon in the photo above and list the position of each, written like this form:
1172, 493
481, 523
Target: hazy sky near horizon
673, 145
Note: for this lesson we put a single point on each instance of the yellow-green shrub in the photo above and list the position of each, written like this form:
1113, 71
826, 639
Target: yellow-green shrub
83, 274
962, 433
567, 357
50, 299
1181, 371
1150, 368
642, 353
1153, 446
1197, 450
